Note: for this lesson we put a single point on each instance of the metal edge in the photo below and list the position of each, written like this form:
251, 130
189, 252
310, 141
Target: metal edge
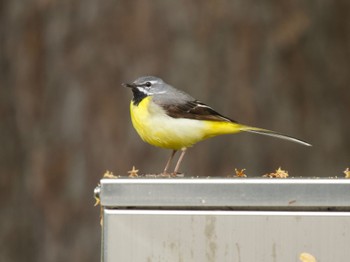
258, 193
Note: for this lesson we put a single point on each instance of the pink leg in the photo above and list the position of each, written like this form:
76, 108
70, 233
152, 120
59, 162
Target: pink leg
183, 151
169, 161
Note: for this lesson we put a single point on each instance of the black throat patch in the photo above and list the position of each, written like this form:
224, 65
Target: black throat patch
138, 96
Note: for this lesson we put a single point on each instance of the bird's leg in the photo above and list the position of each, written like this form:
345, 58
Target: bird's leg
169, 161
183, 151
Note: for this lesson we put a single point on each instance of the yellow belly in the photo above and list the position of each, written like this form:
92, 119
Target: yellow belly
158, 129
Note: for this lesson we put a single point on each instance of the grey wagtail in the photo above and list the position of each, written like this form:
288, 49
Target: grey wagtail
166, 117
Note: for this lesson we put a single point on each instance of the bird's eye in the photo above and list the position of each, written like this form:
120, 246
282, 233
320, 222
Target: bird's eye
148, 84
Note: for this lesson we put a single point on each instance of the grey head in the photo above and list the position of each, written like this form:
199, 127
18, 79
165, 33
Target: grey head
161, 92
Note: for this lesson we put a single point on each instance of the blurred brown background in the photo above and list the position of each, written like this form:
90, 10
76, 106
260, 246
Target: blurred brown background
281, 65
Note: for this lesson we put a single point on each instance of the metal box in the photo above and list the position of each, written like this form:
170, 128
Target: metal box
235, 220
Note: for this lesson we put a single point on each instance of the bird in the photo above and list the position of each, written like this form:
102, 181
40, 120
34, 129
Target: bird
169, 118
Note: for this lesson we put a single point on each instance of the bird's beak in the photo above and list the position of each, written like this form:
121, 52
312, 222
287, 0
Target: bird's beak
129, 85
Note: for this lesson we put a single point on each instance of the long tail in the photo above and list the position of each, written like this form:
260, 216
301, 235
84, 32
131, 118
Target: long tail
273, 134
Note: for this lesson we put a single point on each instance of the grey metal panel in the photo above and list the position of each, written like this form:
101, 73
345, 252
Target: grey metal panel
258, 194
232, 236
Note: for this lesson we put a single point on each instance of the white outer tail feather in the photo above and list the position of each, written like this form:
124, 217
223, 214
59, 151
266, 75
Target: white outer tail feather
274, 134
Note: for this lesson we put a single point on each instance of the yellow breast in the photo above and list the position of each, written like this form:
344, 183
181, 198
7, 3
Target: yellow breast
157, 128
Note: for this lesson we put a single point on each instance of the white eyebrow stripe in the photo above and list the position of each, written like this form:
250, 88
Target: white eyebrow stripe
152, 81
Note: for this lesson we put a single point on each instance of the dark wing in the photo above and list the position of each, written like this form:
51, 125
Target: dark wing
194, 110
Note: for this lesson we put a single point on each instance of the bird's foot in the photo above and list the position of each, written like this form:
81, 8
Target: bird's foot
170, 175
177, 174
165, 174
